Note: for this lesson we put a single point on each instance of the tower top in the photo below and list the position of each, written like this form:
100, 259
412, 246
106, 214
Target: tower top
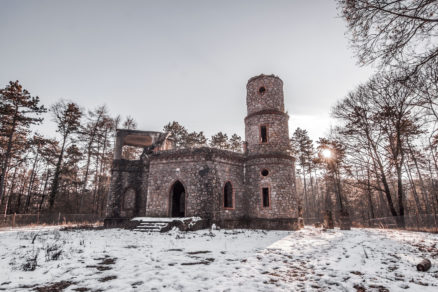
263, 76
264, 92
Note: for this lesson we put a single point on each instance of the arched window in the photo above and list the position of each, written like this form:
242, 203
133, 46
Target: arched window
228, 195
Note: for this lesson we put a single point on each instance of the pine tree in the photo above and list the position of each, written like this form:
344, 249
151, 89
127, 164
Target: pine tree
236, 143
89, 132
178, 133
67, 116
303, 148
220, 140
194, 139
18, 111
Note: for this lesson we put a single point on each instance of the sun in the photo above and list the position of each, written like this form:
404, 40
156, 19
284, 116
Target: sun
327, 153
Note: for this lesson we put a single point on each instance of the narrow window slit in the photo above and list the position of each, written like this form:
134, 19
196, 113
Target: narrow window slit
265, 193
263, 134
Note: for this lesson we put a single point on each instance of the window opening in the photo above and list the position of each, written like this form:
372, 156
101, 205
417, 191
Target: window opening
263, 134
265, 192
262, 90
228, 195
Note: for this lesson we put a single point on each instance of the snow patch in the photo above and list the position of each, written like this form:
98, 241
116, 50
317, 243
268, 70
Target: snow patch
216, 260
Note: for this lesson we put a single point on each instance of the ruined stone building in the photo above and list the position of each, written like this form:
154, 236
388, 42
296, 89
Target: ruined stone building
253, 189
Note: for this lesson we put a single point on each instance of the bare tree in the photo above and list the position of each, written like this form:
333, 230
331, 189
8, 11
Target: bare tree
383, 115
399, 33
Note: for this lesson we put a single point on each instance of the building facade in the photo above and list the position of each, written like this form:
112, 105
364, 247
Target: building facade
253, 189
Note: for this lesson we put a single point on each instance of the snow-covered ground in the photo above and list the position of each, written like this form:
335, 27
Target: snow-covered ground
217, 260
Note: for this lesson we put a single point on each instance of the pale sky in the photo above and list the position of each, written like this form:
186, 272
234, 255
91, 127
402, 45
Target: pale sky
188, 61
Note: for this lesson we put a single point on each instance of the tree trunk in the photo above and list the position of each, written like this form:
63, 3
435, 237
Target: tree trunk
318, 196
11, 190
414, 191
313, 200
433, 185
32, 179
20, 193
306, 203
400, 196
387, 191
44, 190
55, 183
7, 155
420, 178
369, 193
96, 179
102, 159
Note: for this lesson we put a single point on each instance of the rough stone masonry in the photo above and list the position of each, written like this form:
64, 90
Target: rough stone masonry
253, 189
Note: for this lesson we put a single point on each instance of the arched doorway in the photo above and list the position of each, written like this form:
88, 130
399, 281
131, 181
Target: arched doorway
178, 200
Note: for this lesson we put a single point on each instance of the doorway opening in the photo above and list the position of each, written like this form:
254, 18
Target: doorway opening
178, 200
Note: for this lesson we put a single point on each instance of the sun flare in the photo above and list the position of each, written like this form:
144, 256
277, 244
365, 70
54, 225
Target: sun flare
327, 153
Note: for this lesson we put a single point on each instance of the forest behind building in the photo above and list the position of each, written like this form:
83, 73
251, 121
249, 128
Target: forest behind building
380, 161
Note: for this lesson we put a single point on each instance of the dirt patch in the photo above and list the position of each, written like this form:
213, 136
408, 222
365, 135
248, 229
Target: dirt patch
54, 287
131, 246
27, 286
204, 262
82, 227
419, 282
379, 288
199, 252
108, 278
100, 268
105, 263
136, 284
359, 288
108, 261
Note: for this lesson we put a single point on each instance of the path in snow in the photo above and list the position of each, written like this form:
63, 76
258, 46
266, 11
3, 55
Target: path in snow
218, 260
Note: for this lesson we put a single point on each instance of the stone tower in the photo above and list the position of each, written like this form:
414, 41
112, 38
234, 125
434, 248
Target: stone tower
270, 170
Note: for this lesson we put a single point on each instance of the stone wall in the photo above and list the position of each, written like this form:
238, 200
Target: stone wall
260, 223
231, 170
277, 132
127, 175
271, 98
280, 182
203, 172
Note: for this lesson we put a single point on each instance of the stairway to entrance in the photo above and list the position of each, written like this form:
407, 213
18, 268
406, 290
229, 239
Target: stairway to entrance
151, 226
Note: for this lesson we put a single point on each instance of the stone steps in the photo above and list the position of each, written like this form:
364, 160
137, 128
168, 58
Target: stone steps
151, 226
